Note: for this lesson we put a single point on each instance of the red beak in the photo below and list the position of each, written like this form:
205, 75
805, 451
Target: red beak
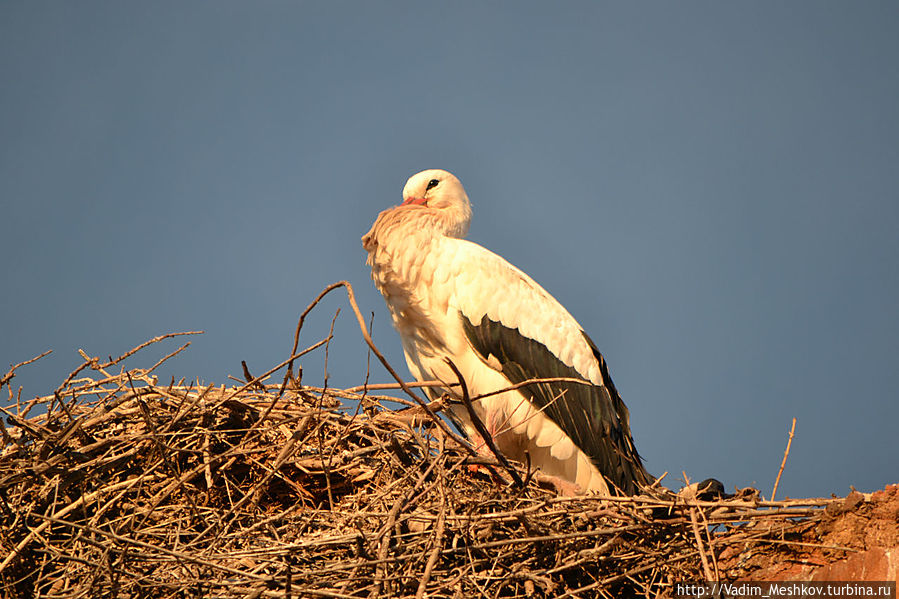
419, 201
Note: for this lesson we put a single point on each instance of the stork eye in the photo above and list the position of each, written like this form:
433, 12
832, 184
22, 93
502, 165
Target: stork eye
432, 183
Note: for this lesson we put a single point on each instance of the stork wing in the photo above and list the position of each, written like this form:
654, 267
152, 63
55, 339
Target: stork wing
592, 415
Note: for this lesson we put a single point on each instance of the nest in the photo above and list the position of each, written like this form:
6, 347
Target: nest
122, 486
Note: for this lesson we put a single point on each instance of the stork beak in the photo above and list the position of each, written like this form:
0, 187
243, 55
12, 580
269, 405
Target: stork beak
419, 201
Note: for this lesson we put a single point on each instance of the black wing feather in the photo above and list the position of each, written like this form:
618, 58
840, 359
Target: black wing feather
592, 415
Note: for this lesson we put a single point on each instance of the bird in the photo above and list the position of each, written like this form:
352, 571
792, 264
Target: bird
452, 300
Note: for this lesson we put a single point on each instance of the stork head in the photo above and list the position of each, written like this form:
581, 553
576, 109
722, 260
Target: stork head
442, 195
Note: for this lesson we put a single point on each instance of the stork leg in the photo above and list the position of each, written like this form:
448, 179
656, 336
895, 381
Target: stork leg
561, 486
483, 448
478, 441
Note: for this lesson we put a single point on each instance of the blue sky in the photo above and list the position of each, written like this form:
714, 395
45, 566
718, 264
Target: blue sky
712, 189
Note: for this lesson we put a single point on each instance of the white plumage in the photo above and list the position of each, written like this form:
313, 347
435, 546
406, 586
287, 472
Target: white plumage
451, 298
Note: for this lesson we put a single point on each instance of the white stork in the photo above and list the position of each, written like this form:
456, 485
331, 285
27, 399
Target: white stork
451, 298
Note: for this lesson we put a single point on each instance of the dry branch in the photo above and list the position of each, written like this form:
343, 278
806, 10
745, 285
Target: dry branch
783, 462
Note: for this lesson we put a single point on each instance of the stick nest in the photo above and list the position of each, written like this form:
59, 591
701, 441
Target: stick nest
122, 487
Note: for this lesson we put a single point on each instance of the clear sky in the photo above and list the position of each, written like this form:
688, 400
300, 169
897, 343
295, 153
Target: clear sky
712, 189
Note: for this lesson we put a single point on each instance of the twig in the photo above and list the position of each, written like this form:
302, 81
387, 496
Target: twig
482, 430
133, 351
784, 461
296, 337
700, 546
269, 372
708, 535
438, 544
351, 296
12, 370
389, 386
168, 357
